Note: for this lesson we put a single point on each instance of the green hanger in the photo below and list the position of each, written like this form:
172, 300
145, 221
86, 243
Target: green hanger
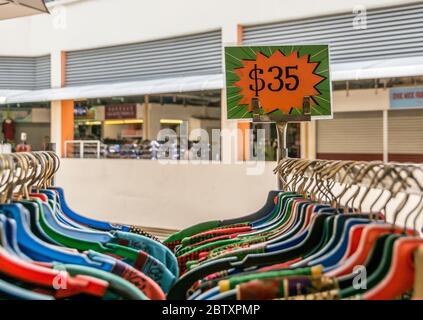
121, 288
84, 245
284, 204
382, 267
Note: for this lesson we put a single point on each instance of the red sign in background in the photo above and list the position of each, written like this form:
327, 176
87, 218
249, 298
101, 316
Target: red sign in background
120, 111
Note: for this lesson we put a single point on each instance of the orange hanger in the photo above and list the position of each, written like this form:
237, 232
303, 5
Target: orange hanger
400, 278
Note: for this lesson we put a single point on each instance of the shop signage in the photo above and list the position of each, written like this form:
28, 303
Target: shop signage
18, 115
279, 77
406, 97
120, 111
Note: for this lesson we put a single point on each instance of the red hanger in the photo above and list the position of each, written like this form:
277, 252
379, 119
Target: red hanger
367, 240
354, 241
41, 276
400, 277
40, 196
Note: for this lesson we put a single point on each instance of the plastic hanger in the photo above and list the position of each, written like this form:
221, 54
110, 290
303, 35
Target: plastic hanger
418, 278
400, 278
45, 277
369, 235
34, 223
10, 291
9, 226
201, 227
312, 239
35, 249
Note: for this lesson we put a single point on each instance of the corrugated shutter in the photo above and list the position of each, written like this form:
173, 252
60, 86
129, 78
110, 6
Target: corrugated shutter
183, 56
405, 131
351, 132
25, 73
391, 32
42, 72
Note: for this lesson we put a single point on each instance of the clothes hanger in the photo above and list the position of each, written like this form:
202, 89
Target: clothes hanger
214, 266
292, 180
45, 277
122, 287
257, 216
418, 278
9, 291
104, 242
400, 277
180, 288
40, 251
74, 239
378, 262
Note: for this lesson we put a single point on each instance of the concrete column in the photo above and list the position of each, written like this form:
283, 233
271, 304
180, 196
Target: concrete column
308, 139
146, 117
56, 125
229, 140
385, 135
56, 106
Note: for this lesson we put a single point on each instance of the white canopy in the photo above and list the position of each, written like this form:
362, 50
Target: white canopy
389, 68
404, 67
19, 8
146, 87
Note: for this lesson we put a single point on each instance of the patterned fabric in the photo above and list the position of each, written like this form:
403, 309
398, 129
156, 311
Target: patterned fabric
279, 266
326, 295
182, 260
284, 287
150, 288
149, 246
138, 230
155, 270
234, 281
215, 233
172, 245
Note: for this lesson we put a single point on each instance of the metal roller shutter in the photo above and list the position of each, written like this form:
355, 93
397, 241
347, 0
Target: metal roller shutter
25, 73
42, 72
351, 133
391, 32
198, 54
405, 131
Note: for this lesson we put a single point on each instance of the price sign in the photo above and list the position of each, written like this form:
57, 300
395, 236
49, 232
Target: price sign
279, 78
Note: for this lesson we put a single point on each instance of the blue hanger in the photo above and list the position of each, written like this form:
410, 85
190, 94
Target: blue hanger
339, 222
39, 251
53, 197
100, 225
11, 234
276, 244
92, 236
336, 254
4, 241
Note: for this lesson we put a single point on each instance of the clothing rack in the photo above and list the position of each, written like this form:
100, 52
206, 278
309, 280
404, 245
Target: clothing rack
353, 183
105, 261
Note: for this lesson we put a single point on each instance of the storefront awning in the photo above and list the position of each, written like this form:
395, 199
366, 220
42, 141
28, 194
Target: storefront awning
404, 67
20, 8
146, 87
389, 68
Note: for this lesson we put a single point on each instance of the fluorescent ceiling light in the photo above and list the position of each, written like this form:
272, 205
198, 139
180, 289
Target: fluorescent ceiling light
135, 121
171, 121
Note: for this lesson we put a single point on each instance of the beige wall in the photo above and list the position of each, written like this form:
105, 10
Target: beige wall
360, 100
169, 196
